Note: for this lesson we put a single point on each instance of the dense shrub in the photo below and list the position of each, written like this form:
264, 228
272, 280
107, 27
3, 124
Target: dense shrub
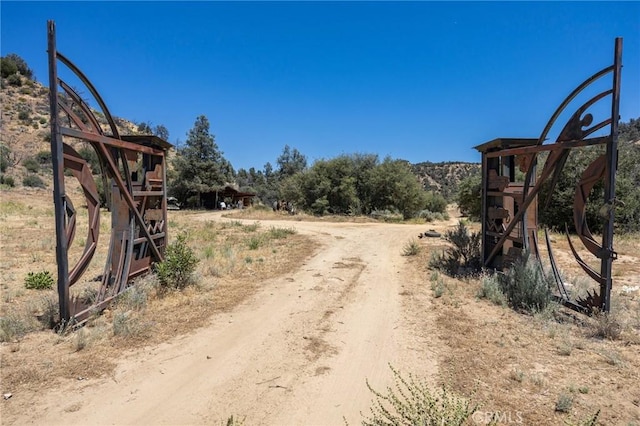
14, 80
24, 116
31, 164
39, 280
463, 257
525, 285
176, 272
43, 157
12, 64
33, 181
7, 180
5, 156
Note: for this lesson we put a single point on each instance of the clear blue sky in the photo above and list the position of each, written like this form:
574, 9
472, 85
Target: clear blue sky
420, 81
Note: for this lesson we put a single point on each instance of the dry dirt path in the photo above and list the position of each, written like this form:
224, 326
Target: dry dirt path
296, 353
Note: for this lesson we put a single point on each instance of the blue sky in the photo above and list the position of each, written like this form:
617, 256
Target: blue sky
420, 81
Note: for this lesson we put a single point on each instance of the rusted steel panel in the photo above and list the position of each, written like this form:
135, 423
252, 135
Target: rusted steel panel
134, 170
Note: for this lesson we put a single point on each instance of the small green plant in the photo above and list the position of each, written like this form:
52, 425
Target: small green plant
33, 181
438, 288
411, 248
411, 401
564, 403
179, 265
254, 242
39, 280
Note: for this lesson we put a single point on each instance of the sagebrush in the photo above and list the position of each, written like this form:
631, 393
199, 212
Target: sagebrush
463, 257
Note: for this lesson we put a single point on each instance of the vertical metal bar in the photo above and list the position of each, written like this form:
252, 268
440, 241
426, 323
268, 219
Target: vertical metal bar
58, 178
165, 215
483, 215
610, 181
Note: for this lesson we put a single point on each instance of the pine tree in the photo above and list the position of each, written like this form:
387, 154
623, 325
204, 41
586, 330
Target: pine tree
200, 166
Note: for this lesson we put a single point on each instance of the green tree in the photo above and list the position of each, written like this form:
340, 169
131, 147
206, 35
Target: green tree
356, 184
290, 162
396, 187
470, 196
12, 64
200, 165
161, 131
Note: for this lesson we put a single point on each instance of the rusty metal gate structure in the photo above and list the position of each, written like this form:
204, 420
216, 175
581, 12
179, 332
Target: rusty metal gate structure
510, 208
134, 181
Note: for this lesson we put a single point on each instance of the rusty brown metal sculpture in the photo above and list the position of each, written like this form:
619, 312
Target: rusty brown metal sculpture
134, 180
503, 234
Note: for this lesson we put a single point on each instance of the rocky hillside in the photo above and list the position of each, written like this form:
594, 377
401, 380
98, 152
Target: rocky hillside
444, 178
25, 138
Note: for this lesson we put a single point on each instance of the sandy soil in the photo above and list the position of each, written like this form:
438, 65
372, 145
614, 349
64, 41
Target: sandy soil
298, 352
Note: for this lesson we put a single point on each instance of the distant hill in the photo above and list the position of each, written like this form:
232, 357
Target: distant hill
444, 177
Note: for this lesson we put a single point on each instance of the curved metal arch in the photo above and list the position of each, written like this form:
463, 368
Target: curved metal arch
81, 171
93, 91
83, 107
569, 98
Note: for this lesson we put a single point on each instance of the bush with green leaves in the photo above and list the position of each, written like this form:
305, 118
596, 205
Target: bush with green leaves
12, 64
176, 271
463, 257
33, 181
469, 196
39, 280
411, 401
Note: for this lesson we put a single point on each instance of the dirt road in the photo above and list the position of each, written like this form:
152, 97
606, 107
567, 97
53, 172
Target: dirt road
297, 353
